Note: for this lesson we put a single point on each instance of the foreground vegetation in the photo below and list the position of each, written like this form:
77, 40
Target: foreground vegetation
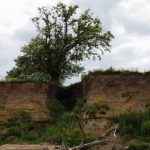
134, 127
21, 129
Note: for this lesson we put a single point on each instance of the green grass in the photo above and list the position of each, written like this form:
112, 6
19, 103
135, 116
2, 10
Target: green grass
112, 71
64, 127
134, 127
34, 78
98, 107
138, 145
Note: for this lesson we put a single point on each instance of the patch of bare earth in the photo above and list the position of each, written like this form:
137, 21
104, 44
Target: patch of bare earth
28, 147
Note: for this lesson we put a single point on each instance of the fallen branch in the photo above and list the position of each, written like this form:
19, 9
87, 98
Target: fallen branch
115, 131
87, 145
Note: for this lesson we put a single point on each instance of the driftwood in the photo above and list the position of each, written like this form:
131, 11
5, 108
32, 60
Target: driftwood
88, 145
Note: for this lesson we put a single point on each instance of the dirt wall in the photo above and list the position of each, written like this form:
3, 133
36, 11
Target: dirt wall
121, 92
28, 97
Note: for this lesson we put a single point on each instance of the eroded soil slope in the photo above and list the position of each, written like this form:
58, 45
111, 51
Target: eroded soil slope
28, 97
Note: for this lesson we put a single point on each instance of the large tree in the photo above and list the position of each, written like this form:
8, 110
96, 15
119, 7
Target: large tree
65, 38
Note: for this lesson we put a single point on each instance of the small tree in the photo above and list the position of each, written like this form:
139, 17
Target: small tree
64, 40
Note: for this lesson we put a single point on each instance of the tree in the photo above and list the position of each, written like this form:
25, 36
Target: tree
65, 38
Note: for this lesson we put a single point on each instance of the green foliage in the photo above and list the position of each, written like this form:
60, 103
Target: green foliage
39, 79
31, 136
138, 145
134, 127
56, 109
13, 131
64, 127
136, 124
91, 110
18, 118
19, 125
63, 41
145, 128
73, 137
79, 108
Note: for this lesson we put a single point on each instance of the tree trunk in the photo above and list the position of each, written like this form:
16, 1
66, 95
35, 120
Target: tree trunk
55, 79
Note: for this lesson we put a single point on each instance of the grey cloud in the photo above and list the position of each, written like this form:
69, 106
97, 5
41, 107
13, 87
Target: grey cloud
101, 8
25, 33
134, 26
3, 64
109, 10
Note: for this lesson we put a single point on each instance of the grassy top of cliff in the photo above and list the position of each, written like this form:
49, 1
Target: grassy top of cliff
109, 71
112, 71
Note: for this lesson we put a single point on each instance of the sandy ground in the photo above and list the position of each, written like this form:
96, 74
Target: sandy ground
28, 147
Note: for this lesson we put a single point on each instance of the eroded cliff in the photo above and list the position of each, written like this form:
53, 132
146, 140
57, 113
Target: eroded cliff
28, 97
122, 92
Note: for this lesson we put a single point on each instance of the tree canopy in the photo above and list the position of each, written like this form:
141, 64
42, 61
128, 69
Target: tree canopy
65, 38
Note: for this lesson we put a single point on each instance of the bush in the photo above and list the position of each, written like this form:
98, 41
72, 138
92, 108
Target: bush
31, 136
91, 110
13, 131
135, 124
17, 126
145, 128
90, 138
64, 127
55, 133
11, 122
73, 137
56, 110
18, 118
138, 145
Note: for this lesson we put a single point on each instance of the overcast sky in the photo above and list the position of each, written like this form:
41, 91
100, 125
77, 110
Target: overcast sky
128, 20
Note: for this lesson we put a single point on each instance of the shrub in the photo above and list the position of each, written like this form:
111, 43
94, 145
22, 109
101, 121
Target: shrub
18, 118
138, 145
127, 129
64, 127
91, 110
145, 128
68, 118
135, 124
73, 137
56, 110
79, 108
54, 133
89, 138
13, 131
17, 126
31, 136
22, 117
11, 122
